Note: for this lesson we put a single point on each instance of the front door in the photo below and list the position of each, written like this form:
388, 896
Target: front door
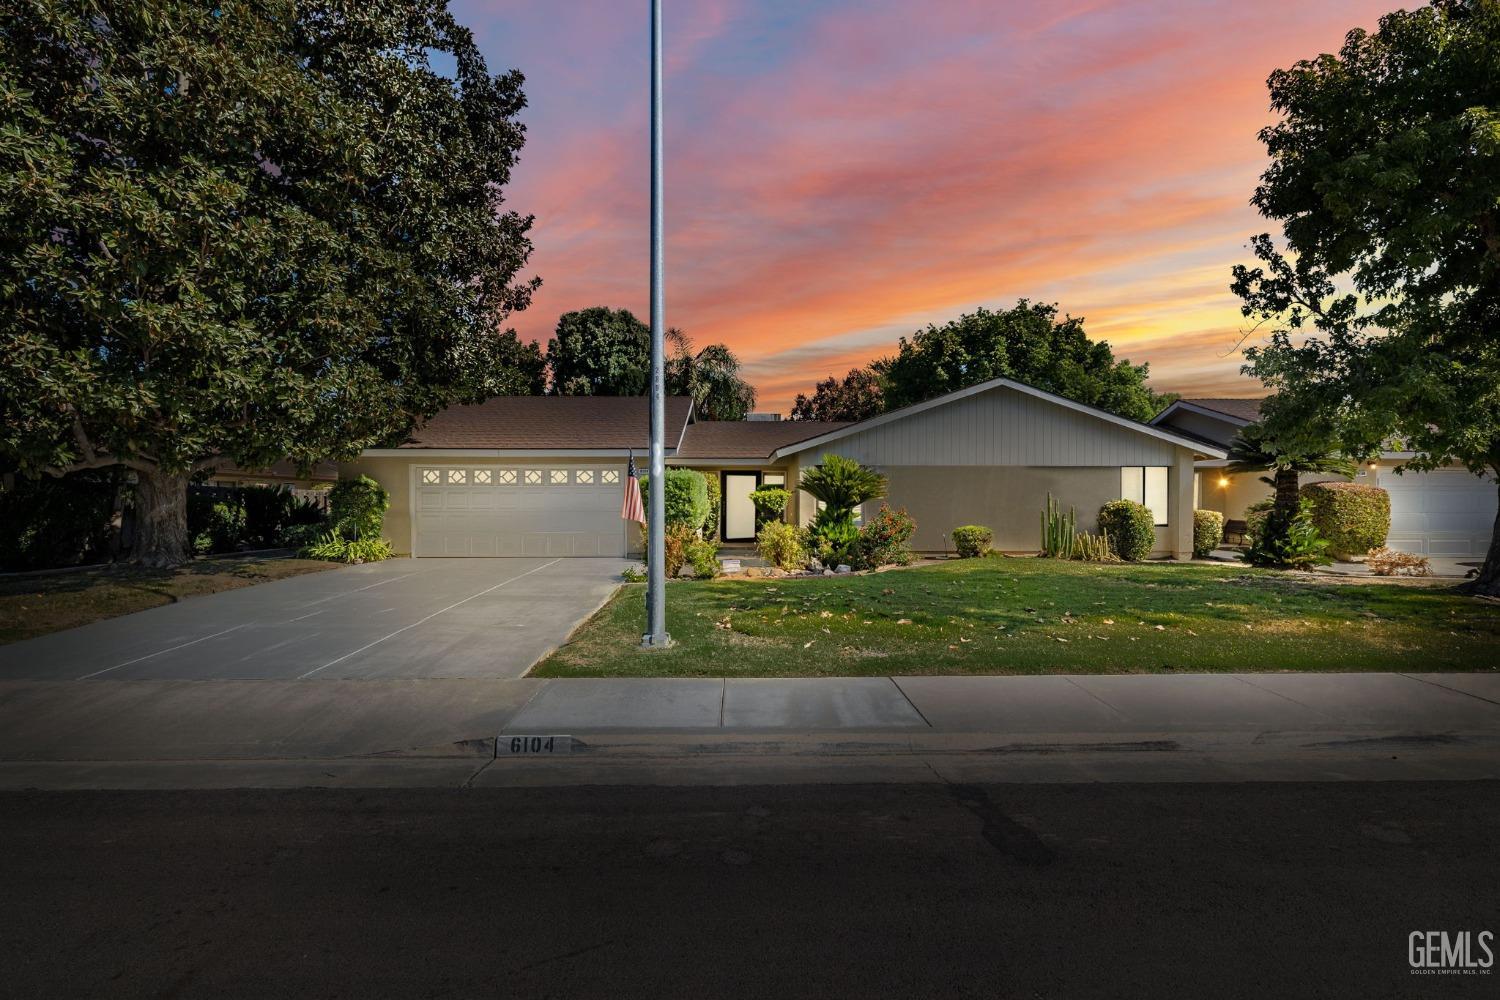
738, 515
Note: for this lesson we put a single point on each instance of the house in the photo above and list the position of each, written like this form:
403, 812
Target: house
1446, 512
282, 473
543, 475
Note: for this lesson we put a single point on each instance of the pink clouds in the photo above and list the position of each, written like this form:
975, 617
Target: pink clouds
839, 173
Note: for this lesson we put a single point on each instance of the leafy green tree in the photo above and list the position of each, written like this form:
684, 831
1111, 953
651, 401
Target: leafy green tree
245, 231
600, 352
856, 396
1027, 343
1385, 179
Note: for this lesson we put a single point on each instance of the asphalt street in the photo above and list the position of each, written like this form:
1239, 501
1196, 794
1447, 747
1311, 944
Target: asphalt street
938, 890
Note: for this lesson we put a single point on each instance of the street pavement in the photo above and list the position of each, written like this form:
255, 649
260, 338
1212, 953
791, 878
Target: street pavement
1114, 891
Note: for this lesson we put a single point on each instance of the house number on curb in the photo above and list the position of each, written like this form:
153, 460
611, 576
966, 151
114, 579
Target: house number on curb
527, 746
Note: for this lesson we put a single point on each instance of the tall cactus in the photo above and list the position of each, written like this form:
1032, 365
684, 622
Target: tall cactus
1059, 532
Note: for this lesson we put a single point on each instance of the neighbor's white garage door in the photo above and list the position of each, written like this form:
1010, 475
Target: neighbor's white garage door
519, 511
1448, 512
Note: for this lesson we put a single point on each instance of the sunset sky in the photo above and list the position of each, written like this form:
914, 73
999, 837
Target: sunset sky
841, 173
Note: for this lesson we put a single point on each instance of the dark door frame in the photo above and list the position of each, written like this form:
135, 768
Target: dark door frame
724, 475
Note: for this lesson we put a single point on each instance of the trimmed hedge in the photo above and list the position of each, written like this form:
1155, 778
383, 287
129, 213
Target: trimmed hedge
1130, 527
972, 540
1354, 517
686, 494
1208, 532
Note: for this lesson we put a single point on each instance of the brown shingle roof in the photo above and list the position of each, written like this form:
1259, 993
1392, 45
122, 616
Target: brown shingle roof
560, 423
747, 438
1240, 408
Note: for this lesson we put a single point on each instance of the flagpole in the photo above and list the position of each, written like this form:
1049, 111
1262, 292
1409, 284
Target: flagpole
656, 579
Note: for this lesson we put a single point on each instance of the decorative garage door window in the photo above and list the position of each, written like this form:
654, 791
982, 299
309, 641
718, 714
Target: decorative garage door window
491, 477
431, 476
533, 477
458, 477
505, 477
559, 477
585, 477
610, 477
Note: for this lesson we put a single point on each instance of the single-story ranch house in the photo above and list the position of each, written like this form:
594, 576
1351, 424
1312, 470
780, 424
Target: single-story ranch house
1446, 512
543, 475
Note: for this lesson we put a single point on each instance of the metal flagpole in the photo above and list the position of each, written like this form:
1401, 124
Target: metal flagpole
656, 578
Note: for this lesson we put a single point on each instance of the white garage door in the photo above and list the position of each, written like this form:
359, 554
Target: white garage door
519, 511
1448, 512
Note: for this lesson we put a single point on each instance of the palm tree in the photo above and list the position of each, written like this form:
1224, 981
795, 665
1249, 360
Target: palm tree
1255, 450
842, 484
710, 376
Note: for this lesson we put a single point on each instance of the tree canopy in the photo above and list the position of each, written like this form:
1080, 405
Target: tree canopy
1385, 179
607, 352
1026, 342
247, 231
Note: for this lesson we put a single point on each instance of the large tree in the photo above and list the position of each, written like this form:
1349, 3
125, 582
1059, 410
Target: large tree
856, 396
1027, 343
1385, 178
607, 352
245, 231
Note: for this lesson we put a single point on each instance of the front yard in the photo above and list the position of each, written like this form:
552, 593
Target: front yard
1037, 616
34, 605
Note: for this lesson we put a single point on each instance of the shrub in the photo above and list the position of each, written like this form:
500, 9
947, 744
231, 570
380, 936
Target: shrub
1255, 517
301, 536
1130, 528
1388, 562
833, 541
268, 511
350, 550
633, 574
223, 529
703, 555
1208, 532
357, 507
884, 539
1354, 517
972, 540
50, 522
781, 545
1293, 544
770, 504
686, 496
1093, 548
842, 484
715, 496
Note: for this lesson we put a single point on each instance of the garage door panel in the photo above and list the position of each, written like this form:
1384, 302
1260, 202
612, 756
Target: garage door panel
492, 511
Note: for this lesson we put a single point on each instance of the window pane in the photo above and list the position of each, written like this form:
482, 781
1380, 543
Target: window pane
458, 477
481, 477
1132, 483
429, 475
610, 476
533, 477
559, 476
507, 477
773, 479
585, 477
1156, 492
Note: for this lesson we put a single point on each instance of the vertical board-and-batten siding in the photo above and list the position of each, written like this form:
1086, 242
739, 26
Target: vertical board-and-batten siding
1001, 427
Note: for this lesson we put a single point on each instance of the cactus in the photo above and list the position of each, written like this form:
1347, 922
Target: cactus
1093, 548
1059, 532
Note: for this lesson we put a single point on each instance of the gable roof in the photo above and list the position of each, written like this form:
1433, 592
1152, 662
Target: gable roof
1150, 430
550, 423
746, 438
1238, 409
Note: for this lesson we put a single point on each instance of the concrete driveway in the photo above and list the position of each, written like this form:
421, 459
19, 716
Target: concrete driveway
406, 618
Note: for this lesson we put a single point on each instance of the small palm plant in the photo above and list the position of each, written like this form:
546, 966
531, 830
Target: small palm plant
842, 484
1254, 449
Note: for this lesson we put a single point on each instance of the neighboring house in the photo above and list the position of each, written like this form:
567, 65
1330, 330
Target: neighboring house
542, 475
283, 473
1446, 512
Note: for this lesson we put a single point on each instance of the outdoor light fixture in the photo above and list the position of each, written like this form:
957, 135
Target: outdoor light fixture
1223, 482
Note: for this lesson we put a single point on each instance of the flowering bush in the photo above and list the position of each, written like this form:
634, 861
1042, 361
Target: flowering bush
885, 539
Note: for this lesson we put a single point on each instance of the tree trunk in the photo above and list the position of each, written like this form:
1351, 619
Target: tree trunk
1288, 498
161, 535
1487, 583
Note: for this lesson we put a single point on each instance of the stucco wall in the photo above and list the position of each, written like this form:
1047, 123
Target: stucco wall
1008, 499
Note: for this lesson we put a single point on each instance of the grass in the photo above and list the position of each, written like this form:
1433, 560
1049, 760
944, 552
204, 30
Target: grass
35, 605
1037, 616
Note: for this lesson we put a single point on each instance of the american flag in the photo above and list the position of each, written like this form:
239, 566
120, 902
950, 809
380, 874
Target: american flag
633, 509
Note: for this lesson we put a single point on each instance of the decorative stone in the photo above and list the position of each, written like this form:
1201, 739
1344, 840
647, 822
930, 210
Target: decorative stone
844, 568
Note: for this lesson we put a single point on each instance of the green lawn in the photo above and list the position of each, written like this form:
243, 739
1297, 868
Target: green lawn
1036, 616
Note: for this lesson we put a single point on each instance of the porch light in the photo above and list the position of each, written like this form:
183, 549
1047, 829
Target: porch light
1223, 482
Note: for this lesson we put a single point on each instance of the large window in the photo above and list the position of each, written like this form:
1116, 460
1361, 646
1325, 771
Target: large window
1146, 484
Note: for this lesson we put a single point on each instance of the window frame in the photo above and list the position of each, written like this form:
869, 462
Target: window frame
1144, 473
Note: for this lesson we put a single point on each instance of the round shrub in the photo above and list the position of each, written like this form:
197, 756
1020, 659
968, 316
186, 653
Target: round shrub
885, 539
972, 540
1208, 532
781, 545
1354, 517
1130, 527
1255, 517
770, 504
357, 507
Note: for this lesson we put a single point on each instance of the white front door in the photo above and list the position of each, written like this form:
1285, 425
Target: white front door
1447, 512
739, 511
519, 510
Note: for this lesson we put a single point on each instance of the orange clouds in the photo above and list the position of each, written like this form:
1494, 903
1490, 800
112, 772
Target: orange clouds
841, 173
